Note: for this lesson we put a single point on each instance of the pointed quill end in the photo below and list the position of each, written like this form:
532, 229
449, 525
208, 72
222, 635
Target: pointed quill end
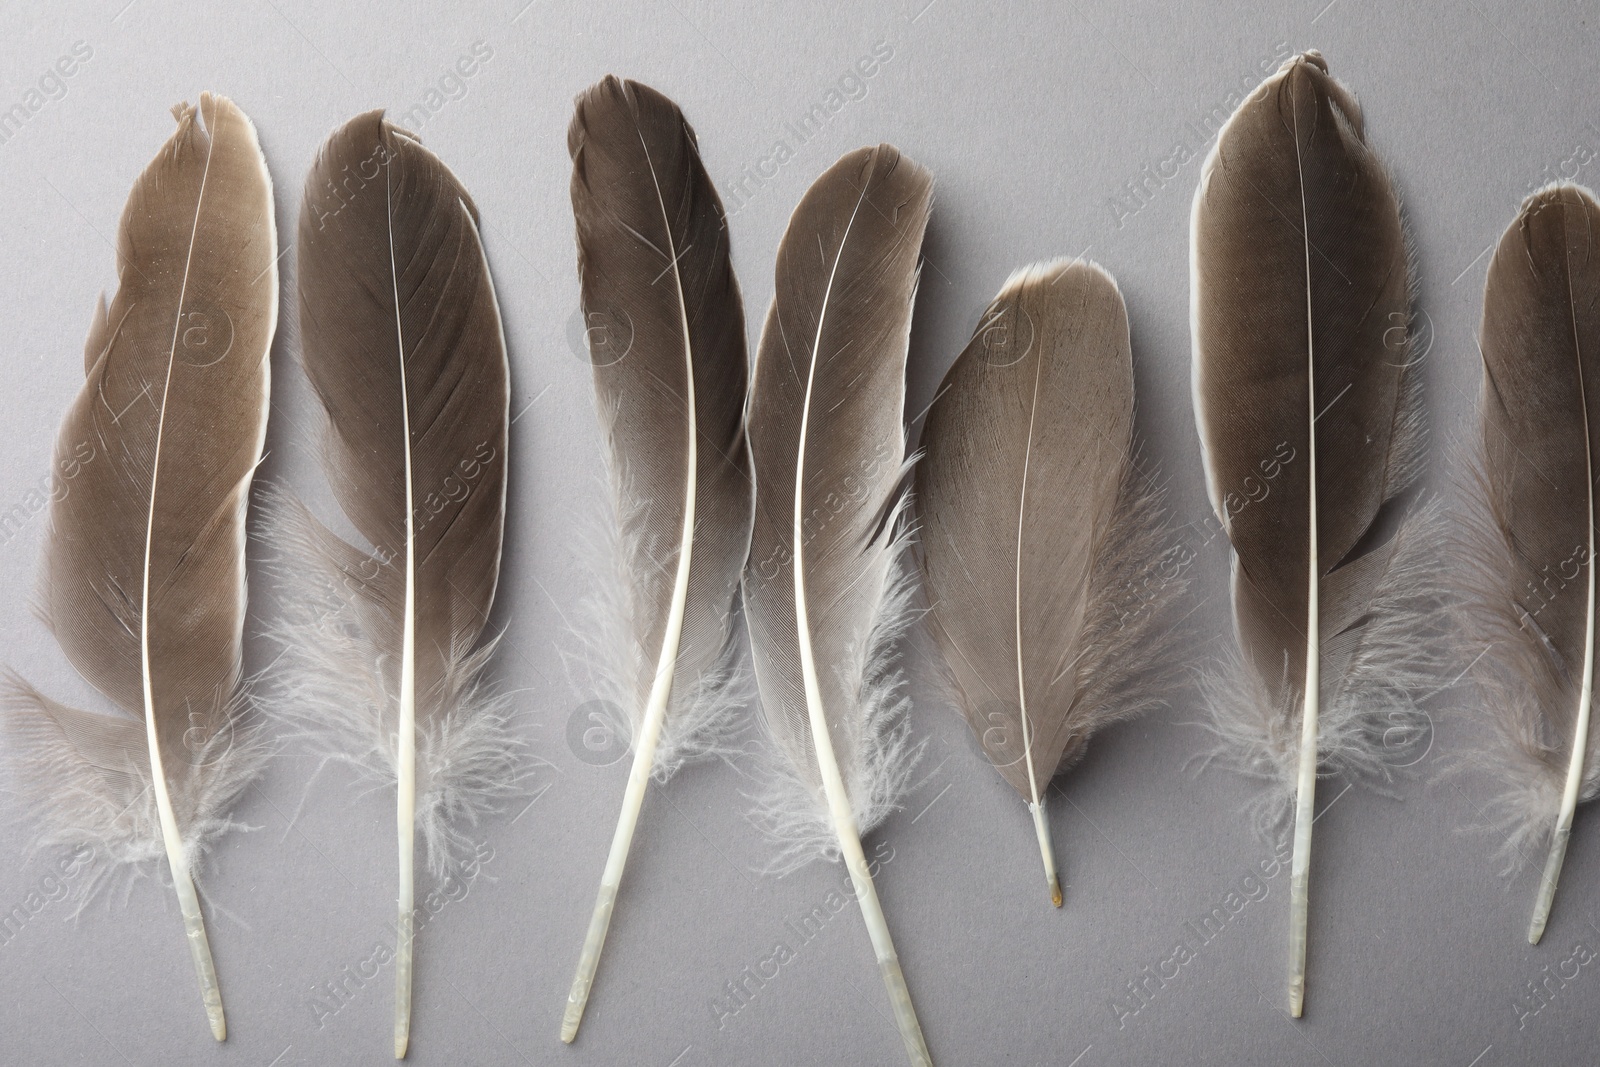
1552, 874
572, 1017
570, 1020
1041, 827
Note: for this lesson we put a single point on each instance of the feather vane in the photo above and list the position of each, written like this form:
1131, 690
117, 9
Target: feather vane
654, 263
1041, 542
404, 346
825, 594
145, 561
1301, 312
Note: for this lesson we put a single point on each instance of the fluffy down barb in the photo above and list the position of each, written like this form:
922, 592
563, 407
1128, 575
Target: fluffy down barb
1132, 660
79, 791
330, 686
794, 813
1371, 719
1520, 750
704, 713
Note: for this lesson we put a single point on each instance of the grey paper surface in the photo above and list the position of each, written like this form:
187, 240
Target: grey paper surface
1052, 129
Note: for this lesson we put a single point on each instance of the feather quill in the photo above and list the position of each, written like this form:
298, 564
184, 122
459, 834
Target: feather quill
1301, 308
824, 592
1041, 544
653, 255
145, 563
404, 347
1533, 540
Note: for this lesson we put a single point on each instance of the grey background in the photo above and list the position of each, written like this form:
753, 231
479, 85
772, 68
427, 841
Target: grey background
1034, 117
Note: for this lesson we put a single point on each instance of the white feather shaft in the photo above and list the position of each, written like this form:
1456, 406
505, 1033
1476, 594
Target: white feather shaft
844, 821
838, 798
172, 840
406, 739
622, 840
1305, 800
1041, 825
644, 749
1041, 830
1580, 732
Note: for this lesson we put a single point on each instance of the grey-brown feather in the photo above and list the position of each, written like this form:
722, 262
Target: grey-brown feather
839, 324
373, 184
1528, 540
398, 317
1034, 518
660, 301
165, 435
1299, 248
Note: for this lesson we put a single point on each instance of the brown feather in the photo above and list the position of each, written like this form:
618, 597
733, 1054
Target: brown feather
404, 346
659, 298
1540, 341
825, 592
376, 197
399, 323
1034, 521
832, 357
216, 343
1299, 256
145, 562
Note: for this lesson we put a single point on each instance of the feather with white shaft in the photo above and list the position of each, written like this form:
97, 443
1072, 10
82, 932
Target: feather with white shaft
1041, 544
824, 590
145, 562
653, 256
1301, 310
1532, 632
403, 344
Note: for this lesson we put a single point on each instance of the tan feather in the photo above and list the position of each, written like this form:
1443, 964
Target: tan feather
145, 562
1041, 544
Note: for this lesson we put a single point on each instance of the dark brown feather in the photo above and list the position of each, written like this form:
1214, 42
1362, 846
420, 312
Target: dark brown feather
660, 302
399, 323
390, 261
1295, 199
1301, 304
1540, 412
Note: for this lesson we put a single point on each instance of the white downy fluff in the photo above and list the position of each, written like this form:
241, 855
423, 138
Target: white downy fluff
1370, 715
329, 686
705, 714
792, 812
76, 791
